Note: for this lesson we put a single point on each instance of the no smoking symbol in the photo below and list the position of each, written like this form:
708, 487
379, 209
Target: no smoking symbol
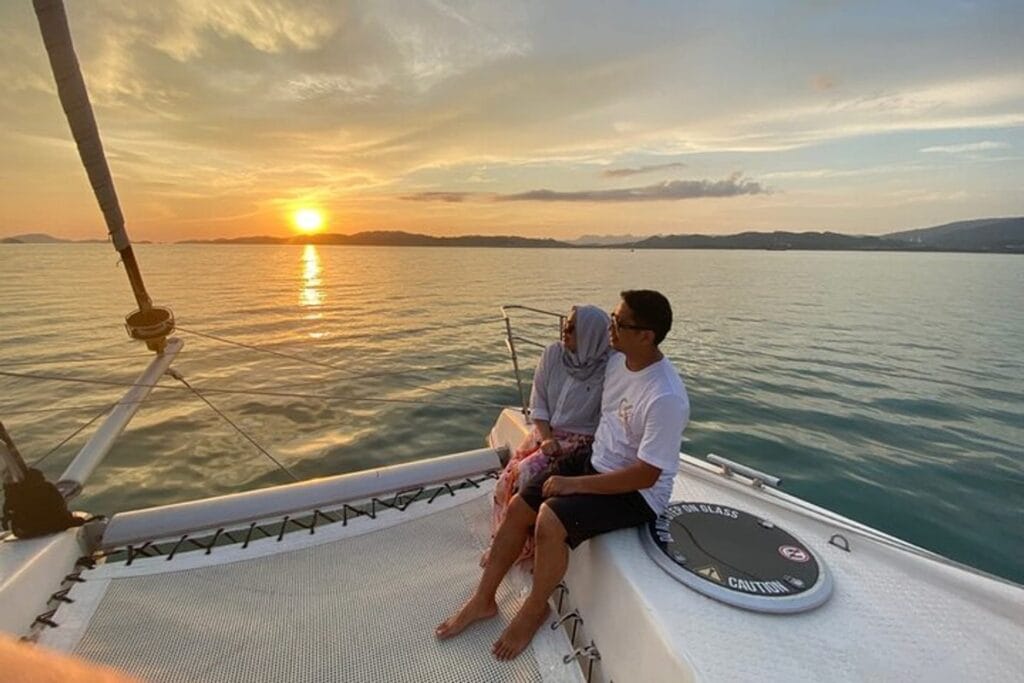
794, 554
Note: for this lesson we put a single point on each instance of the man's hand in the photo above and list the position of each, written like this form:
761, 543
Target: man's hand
559, 486
633, 478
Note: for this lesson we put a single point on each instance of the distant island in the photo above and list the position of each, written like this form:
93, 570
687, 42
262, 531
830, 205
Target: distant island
988, 235
396, 238
43, 238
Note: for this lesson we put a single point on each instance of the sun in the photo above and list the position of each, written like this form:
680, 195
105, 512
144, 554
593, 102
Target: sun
308, 220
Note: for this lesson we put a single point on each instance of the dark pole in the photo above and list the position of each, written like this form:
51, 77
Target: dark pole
150, 324
74, 98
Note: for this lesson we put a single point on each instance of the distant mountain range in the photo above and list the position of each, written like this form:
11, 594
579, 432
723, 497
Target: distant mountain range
997, 235
387, 238
779, 240
993, 235
43, 238
604, 240
986, 234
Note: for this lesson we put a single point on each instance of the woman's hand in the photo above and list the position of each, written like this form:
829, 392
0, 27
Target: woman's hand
550, 448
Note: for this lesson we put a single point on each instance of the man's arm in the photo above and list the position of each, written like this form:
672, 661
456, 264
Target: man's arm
659, 445
633, 478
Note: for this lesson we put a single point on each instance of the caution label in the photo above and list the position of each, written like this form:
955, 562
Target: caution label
710, 572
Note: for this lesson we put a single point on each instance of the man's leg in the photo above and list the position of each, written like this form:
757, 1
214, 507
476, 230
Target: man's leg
550, 564
505, 548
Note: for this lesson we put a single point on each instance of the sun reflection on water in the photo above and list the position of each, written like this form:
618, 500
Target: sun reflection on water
311, 294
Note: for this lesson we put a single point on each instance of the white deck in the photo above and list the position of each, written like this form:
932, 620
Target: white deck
349, 603
892, 616
30, 570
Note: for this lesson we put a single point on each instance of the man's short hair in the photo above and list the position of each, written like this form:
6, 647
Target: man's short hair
651, 310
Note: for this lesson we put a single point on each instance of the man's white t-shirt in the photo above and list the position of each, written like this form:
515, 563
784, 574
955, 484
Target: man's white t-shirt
643, 415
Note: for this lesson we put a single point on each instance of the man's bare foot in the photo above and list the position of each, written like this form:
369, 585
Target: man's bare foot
486, 557
474, 609
520, 632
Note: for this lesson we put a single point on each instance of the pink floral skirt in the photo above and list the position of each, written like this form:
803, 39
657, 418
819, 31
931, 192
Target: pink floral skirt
527, 462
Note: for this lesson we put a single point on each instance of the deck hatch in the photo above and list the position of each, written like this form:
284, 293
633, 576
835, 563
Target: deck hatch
737, 558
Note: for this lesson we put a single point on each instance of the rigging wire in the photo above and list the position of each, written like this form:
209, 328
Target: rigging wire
444, 327
5, 364
88, 406
75, 433
252, 392
306, 360
178, 376
274, 387
383, 373
274, 390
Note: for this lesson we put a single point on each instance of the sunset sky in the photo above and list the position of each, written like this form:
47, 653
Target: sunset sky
555, 119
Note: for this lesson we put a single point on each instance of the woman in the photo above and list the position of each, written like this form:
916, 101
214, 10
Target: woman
565, 405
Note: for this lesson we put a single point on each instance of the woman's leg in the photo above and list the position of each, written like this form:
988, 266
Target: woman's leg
508, 484
504, 550
529, 468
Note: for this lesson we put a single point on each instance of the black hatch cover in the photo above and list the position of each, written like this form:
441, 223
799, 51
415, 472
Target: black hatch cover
737, 558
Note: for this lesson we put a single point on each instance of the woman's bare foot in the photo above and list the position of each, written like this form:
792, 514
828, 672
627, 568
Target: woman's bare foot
485, 558
474, 609
520, 632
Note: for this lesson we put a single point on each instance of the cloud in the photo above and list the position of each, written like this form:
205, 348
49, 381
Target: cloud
986, 102
668, 190
625, 172
448, 197
968, 147
369, 102
874, 170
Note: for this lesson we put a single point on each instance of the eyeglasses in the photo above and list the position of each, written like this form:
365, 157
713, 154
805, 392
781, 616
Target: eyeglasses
617, 324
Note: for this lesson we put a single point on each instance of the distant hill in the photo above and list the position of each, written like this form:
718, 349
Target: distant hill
1002, 235
996, 235
779, 240
604, 240
987, 234
388, 238
32, 238
261, 239
43, 238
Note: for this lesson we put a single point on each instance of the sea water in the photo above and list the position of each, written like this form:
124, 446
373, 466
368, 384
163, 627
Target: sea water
888, 387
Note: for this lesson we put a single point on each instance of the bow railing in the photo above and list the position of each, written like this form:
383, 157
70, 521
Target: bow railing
511, 338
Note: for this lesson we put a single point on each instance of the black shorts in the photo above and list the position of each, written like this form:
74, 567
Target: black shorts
588, 514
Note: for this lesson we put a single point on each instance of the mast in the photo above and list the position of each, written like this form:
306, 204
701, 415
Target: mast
149, 323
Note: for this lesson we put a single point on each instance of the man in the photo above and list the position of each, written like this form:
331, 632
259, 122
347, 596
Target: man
625, 482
